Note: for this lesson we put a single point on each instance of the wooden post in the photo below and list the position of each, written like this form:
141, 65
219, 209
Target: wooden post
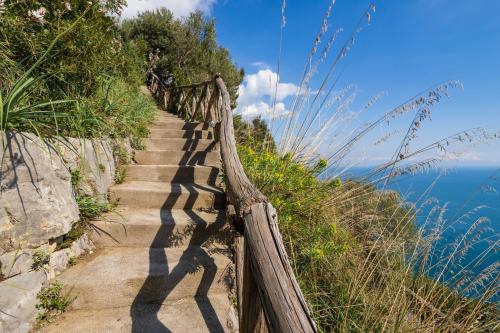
250, 311
166, 98
194, 103
281, 299
198, 104
180, 102
206, 103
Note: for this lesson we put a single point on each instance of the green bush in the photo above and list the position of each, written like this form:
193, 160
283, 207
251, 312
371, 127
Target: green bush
117, 110
354, 249
87, 62
40, 259
91, 207
53, 301
92, 49
188, 47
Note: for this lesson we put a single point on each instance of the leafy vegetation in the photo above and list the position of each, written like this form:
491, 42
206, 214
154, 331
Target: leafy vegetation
188, 47
67, 68
52, 301
91, 207
66, 71
121, 173
40, 259
356, 251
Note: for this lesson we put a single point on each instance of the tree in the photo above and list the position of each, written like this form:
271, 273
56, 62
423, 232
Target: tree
188, 47
91, 50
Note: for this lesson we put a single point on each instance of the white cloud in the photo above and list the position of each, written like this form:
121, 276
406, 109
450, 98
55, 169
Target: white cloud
257, 92
180, 8
260, 65
264, 110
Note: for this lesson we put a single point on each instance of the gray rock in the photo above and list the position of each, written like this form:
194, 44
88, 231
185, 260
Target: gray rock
123, 151
18, 300
82, 245
21, 261
59, 260
6, 228
95, 162
36, 196
16, 262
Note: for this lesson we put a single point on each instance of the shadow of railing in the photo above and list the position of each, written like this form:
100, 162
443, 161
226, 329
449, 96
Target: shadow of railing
159, 285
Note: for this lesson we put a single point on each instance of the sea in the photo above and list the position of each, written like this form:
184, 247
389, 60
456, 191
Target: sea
469, 200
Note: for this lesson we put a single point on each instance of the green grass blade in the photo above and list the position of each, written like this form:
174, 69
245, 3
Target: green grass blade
1, 111
41, 105
16, 94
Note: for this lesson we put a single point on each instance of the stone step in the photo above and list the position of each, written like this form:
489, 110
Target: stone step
186, 134
121, 276
180, 144
179, 125
194, 315
173, 173
167, 115
167, 195
177, 158
160, 228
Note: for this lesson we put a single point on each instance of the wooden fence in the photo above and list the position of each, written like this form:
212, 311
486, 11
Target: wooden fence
269, 297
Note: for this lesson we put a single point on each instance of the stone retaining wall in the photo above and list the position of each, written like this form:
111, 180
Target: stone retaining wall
38, 205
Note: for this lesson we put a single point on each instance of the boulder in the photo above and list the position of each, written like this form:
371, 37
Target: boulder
21, 261
37, 202
18, 300
16, 262
59, 260
94, 162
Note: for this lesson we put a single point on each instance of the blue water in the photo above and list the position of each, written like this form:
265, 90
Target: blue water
460, 190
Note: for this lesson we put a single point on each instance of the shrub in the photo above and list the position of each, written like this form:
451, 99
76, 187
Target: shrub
355, 251
117, 110
76, 177
92, 207
92, 49
121, 173
89, 64
52, 301
40, 259
188, 47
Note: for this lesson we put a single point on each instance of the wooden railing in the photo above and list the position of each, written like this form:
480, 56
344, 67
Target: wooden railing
269, 297
195, 102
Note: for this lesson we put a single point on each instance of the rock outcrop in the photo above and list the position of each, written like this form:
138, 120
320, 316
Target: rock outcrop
38, 205
36, 197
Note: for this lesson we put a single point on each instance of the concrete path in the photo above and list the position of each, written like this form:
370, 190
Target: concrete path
162, 264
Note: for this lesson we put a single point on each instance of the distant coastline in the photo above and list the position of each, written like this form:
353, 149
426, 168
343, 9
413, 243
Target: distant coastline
459, 189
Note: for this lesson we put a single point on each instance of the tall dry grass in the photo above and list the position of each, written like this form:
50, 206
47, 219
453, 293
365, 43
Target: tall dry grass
361, 260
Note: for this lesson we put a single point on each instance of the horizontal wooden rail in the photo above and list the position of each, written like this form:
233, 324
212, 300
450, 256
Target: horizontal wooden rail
263, 267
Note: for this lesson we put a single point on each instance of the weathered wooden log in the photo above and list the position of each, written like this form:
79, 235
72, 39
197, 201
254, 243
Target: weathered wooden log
166, 98
241, 191
250, 310
194, 102
199, 104
283, 304
211, 114
206, 102
180, 102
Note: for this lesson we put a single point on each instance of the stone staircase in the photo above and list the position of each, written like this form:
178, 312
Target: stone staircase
162, 263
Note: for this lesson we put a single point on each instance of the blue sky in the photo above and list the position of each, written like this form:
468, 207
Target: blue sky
409, 46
